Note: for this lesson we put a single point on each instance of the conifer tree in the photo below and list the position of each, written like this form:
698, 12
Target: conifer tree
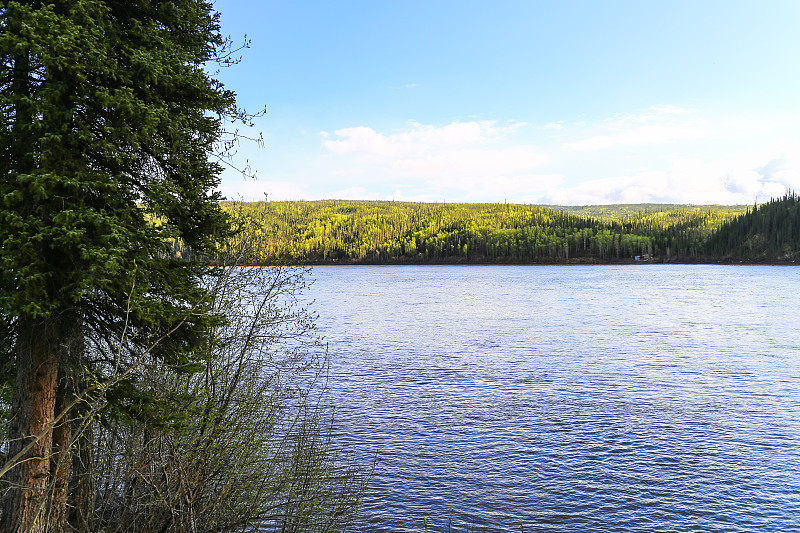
108, 119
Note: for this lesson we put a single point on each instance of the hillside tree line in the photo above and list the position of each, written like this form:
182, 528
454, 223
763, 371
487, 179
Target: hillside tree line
381, 232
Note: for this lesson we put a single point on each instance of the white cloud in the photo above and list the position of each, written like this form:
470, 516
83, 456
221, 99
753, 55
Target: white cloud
656, 113
740, 179
653, 135
652, 127
660, 154
415, 139
354, 193
461, 156
669, 154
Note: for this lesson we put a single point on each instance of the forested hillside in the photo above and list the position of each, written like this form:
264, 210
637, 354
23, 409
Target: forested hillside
769, 231
374, 232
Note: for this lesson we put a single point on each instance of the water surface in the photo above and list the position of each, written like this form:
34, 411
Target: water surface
561, 398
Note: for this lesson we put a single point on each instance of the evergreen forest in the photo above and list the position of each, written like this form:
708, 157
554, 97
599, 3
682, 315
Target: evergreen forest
142, 392
387, 232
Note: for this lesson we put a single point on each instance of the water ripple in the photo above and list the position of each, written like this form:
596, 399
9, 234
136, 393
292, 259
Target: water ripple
662, 398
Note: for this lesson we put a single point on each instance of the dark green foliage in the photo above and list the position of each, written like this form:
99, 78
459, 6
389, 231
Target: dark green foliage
335, 231
768, 231
108, 120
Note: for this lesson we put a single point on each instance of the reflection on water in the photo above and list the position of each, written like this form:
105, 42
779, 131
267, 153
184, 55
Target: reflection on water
606, 398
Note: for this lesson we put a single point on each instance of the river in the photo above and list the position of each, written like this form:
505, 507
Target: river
636, 398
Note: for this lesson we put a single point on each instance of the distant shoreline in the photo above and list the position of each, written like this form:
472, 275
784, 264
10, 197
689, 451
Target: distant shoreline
787, 262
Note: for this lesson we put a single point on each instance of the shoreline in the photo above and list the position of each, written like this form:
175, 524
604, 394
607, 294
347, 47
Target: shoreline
786, 262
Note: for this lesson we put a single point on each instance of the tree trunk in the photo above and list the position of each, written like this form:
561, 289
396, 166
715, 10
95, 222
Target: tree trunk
81, 488
60, 463
70, 385
25, 506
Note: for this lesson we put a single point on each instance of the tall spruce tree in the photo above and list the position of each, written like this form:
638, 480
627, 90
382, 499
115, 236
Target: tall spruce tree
108, 119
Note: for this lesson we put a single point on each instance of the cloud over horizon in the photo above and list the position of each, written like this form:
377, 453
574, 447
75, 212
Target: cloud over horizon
465, 159
662, 154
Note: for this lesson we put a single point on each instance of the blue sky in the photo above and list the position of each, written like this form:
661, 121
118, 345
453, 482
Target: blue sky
556, 102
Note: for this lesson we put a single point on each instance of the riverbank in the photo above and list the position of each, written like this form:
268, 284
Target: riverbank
569, 262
